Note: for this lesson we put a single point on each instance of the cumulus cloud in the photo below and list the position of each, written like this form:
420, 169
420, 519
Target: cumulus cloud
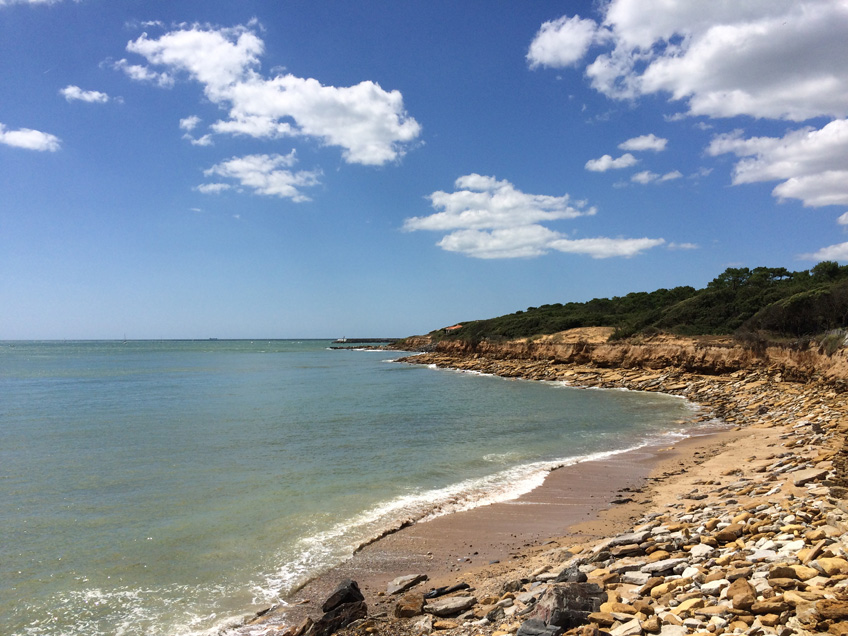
608, 163
368, 123
766, 58
263, 174
812, 164
646, 176
563, 42
29, 139
189, 123
490, 218
644, 142
75, 93
838, 252
843, 219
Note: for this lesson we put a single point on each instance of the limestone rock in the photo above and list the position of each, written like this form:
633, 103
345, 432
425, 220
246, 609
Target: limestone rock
449, 605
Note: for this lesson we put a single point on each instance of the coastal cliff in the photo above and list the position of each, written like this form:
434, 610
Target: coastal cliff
706, 355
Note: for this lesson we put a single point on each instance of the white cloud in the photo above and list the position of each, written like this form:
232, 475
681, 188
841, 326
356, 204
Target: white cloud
838, 252
812, 164
369, 124
205, 140
646, 176
683, 246
644, 142
143, 74
563, 42
764, 58
213, 188
843, 219
264, 174
484, 202
75, 93
488, 218
29, 139
189, 123
608, 163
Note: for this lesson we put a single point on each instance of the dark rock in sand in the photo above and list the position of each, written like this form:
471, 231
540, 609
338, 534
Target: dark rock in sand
346, 592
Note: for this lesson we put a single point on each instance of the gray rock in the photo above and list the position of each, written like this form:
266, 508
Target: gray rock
803, 477
535, 627
568, 605
665, 565
403, 583
450, 605
631, 537
631, 628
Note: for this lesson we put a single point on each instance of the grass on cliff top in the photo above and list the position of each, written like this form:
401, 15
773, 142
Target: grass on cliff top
753, 305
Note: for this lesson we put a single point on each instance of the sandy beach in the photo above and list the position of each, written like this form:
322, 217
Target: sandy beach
580, 507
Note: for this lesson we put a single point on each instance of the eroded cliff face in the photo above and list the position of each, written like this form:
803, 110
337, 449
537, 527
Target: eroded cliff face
704, 355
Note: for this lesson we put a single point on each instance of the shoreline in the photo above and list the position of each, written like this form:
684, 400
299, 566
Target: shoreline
461, 547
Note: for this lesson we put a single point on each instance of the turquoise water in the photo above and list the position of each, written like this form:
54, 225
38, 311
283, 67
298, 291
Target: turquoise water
164, 487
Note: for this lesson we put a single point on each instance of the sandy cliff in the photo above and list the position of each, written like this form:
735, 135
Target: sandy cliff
706, 355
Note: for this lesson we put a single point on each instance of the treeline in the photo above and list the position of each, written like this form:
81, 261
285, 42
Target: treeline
749, 303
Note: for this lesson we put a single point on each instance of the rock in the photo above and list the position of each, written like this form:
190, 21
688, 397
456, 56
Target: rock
742, 594
568, 605
666, 565
409, 605
536, 627
833, 609
445, 624
346, 592
803, 477
403, 583
630, 628
449, 605
652, 625
774, 605
714, 588
571, 575
339, 617
422, 625
674, 630
832, 566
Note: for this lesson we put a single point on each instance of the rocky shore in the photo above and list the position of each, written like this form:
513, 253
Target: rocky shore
748, 539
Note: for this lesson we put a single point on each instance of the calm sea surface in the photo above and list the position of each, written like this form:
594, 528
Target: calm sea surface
164, 487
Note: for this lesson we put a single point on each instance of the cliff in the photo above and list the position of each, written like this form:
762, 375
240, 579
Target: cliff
705, 355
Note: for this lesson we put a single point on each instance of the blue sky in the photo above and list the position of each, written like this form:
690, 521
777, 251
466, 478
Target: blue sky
317, 169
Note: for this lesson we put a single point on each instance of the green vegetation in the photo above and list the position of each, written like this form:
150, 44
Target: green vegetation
752, 304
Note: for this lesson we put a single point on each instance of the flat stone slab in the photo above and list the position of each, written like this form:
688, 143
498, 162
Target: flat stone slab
662, 566
450, 605
403, 583
803, 477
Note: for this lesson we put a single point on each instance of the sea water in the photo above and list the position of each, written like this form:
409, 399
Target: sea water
165, 487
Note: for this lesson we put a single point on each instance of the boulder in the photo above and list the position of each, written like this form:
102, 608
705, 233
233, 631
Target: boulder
346, 592
409, 605
568, 605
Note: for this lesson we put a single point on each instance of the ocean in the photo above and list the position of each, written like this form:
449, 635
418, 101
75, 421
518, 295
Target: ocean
169, 487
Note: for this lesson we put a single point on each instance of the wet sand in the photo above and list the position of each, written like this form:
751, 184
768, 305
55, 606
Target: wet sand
575, 504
